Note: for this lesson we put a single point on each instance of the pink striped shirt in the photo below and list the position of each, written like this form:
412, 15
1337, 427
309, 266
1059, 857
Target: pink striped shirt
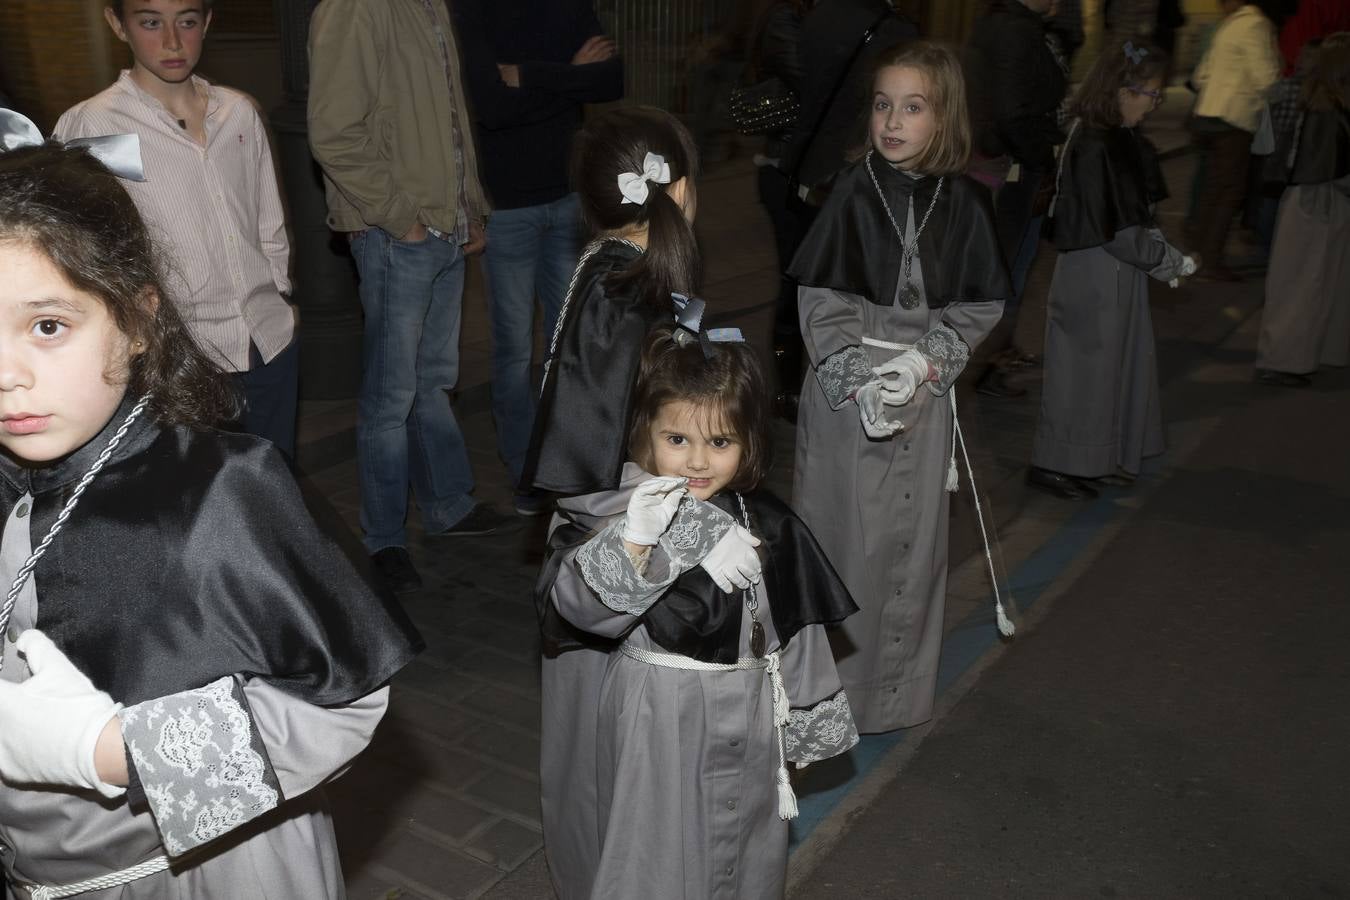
216, 209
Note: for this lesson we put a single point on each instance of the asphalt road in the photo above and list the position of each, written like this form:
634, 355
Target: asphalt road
1175, 721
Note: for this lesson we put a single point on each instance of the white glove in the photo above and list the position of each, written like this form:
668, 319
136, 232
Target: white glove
872, 403
1189, 266
651, 508
901, 377
50, 724
733, 562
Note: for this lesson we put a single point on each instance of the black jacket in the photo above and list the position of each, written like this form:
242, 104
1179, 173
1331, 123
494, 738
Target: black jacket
1015, 86
831, 33
525, 134
580, 438
190, 557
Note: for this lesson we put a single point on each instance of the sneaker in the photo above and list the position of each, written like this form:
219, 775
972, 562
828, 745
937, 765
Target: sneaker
394, 567
533, 504
482, 519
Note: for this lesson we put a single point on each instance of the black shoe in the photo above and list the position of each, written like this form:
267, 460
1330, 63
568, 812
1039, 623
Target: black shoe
535, 503
1281, 379
394, 567
1115, 479
482, 519
994, 383
1066, 487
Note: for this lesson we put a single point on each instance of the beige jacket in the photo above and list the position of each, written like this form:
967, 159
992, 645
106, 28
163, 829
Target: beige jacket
1242, 62
379, 116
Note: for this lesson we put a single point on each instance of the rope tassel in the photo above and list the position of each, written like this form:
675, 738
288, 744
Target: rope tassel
1005, 624
787, 800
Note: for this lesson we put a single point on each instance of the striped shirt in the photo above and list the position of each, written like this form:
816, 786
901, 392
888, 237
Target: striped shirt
215, 209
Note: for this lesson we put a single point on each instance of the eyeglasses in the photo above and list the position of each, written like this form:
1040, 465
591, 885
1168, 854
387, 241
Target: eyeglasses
1155, 96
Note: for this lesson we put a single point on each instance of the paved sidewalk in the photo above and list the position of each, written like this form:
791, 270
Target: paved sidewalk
445, 803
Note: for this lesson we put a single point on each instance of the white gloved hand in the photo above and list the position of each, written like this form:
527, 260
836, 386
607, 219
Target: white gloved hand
901, 377
733, 562
50, 724
651, 508
1189, 266
872, 403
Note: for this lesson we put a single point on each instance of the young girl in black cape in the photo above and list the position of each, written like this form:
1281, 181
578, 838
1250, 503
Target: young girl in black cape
634, 173
901, 278
186, 656
1306, 319
708, 694
1100, 413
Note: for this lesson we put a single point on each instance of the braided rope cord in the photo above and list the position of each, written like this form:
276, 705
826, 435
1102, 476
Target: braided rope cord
27, 568
907, 250
102, 882
591, 249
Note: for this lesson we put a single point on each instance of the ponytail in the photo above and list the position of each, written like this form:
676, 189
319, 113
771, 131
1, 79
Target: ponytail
617, 142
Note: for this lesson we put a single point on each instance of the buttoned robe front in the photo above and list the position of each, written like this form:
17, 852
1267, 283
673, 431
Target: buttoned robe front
879, 507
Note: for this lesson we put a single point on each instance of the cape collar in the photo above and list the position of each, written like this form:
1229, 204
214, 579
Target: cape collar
62, 472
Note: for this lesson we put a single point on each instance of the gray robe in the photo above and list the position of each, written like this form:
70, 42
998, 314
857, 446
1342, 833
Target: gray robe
683, 762
60, 836
1306, 320
878, 507
1100, 409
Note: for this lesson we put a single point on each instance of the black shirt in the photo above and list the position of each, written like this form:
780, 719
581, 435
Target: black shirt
525, 134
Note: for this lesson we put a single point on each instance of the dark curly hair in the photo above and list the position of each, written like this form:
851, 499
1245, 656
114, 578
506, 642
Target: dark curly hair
724, 375
64, 203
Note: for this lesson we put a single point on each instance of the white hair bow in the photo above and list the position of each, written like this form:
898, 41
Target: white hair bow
120, 153
633, 185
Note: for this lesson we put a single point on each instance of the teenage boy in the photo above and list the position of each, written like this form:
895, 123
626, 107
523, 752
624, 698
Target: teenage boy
210, 197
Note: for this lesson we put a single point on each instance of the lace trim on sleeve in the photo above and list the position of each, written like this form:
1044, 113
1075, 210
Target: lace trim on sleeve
615, 577
841, 374
823, 731
202, 764
947, 352
1173, 259
608, 570
695, 530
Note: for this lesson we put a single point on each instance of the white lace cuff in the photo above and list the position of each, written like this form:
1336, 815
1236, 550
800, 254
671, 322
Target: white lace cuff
610, 572
202, 764
823, 731
947, 353
841, 374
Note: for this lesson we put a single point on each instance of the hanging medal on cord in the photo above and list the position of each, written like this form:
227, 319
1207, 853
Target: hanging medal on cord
909, 294
758, 640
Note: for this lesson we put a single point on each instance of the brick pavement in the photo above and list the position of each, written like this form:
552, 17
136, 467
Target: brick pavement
445, 802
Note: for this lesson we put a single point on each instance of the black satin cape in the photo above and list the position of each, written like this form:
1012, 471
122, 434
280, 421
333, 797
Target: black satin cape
190, 557
1105, 189
580, 438
1323, 148
697, 619
852, 246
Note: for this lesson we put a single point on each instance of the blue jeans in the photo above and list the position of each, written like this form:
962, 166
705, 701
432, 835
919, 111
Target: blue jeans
405, 429
270, 392
532, 252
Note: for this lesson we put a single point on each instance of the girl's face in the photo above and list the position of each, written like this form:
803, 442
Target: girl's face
1138, 100
903, 121
686, 441
59, 351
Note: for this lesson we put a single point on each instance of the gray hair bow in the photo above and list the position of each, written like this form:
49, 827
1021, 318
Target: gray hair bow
120, 153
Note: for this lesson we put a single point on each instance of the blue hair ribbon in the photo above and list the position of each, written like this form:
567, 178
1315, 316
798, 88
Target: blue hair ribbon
1136, 55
